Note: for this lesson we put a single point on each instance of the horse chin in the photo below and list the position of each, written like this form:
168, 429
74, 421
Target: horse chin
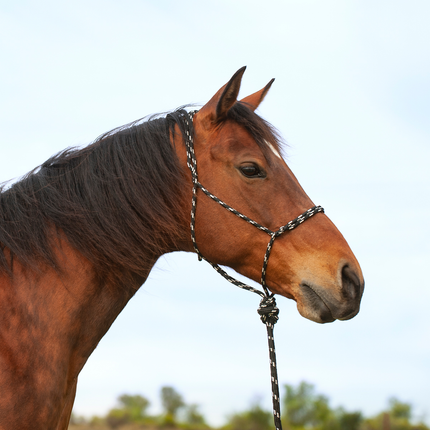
313, 307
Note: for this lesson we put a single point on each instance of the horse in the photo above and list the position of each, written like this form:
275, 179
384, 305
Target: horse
80, 234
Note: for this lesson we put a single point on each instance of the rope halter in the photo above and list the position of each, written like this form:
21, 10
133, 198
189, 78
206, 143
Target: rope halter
267, 310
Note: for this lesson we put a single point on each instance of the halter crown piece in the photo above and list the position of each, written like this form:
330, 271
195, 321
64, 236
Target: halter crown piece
267, 310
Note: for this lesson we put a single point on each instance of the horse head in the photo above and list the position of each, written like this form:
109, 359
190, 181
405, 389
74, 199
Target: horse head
239, 161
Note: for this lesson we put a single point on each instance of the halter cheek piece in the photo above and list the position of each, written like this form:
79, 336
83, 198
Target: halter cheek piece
267, 310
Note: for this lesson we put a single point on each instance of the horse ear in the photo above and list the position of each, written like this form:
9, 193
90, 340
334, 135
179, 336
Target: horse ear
217, 107
254, 100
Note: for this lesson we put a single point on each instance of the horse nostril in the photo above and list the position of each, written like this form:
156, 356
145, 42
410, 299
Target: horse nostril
351, 283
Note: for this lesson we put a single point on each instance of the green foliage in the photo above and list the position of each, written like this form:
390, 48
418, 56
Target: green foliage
304, 408
96, 421
399, 410
135, 406
131, 409
397, 417
172, 401
255, 418
193, 418
117, 418
349, 420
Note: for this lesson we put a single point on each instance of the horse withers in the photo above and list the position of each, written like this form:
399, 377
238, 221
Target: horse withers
80, 234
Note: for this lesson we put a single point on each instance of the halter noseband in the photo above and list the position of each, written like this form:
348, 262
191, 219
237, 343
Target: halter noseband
267, 310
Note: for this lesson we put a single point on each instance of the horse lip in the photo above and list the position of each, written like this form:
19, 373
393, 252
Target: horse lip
351, 315
322, 306
317, 303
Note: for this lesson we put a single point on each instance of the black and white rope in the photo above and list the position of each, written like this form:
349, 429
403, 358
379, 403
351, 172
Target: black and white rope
267, 310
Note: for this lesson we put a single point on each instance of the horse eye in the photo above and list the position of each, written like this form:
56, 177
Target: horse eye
251, 171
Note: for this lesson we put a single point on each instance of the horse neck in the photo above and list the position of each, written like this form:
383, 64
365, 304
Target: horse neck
50, 323
53, 316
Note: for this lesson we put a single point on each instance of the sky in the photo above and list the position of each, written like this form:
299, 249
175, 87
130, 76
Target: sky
351, 99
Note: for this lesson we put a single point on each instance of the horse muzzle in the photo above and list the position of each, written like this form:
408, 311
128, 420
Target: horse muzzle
324, 304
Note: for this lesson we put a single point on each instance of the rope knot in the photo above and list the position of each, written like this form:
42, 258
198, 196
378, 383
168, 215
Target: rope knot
268, 310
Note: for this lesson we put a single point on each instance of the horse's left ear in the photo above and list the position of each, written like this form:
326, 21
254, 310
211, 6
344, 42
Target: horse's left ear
215, 110
254, 100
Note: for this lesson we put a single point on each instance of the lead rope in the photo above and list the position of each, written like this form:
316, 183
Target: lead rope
267, 310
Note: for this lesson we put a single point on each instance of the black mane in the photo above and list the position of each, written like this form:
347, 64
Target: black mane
119, 201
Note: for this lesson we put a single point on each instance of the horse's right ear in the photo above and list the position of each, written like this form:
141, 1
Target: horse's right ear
215, 110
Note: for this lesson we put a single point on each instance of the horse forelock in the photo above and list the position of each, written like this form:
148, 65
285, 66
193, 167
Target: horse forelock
265, 134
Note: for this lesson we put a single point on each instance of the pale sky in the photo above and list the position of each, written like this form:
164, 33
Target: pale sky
351, 99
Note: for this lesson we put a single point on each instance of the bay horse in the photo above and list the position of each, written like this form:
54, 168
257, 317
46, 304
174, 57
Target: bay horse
80, 234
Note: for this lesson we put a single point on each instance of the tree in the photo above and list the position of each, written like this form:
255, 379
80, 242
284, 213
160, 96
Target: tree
136, 406
256, 418
349, 420
399, 409
116, 418
131, 409
172, 401
193, 417
397, 417
304, 408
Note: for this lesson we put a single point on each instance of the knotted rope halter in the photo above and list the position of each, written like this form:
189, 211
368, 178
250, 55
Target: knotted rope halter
267, 310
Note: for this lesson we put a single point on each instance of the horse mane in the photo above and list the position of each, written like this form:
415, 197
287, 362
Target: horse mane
119, 201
